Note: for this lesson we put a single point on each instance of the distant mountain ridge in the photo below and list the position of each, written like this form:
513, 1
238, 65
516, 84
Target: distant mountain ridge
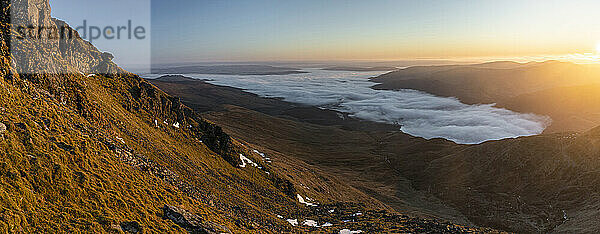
516, 86
359, 69
229, 70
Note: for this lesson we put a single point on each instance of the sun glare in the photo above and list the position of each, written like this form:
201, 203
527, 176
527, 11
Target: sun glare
598, 48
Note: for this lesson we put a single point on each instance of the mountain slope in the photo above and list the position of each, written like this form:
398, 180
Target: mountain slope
533, 184
101, 152
572, 108
110, 152
348, 148
544, 183
488, 82
557, 89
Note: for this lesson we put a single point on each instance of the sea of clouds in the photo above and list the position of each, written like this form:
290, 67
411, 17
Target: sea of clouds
420, 114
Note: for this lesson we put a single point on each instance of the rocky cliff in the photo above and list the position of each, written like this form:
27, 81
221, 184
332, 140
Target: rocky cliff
41, 44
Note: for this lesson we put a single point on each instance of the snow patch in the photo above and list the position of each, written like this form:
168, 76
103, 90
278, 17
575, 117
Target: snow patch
264, 156
246, 161
293, 222
347, 231
302, 201
90, 75
259, 153
327, 225
121, 140
310, 223
176, 124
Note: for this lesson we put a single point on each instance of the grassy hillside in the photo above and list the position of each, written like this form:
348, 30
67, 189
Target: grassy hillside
572, 108
97, 149
489, 82
563, 91
106, 153
531, 184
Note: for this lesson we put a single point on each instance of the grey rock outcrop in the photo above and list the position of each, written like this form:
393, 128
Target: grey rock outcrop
41, 44
191, 222
30, 12
2, 129
131, 227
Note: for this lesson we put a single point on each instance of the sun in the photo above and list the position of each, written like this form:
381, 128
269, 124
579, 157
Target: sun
598, 48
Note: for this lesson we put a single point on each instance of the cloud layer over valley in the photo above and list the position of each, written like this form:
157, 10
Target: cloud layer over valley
419, 113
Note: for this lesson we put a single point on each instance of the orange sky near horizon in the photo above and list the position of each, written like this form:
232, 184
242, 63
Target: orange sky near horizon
273, 30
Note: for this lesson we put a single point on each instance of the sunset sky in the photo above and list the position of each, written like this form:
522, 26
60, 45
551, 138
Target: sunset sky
267, 30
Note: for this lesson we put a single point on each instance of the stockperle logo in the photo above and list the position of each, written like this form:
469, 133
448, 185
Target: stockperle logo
119, 27
126, 31
90, 33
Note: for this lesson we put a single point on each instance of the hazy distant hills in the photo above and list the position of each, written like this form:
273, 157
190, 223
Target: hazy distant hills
572, 108
228, 70
544, 88
360, 69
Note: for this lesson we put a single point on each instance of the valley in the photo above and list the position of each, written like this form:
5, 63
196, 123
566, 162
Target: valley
291, 117
86, 146
466, 184
416, 113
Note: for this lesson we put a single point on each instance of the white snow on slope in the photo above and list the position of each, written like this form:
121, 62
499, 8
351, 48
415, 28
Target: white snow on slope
303, 201
293, 222
259, 153
310, 223
264, 156
246, 161
121, 140
347, 231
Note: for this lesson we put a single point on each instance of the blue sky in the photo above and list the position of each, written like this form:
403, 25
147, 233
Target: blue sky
266, 30
132, 54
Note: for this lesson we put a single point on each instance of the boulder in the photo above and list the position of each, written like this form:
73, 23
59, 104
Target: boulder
131, 227
191, 222
2, 128
107, 56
